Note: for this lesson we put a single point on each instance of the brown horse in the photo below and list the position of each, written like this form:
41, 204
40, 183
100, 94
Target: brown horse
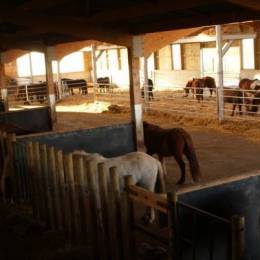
235, 97
248, 84
188, 87
172, 142
210, 83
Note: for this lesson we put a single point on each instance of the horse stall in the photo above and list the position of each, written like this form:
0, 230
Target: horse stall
52, 179
219, 220
29, 120
21, 122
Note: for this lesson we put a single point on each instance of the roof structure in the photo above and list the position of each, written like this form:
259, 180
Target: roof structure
30, 24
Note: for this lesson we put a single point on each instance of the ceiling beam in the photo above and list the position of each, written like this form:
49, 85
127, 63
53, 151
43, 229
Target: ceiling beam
194, 21
74, 26
148, 8
212, 38
34, 5
251, 4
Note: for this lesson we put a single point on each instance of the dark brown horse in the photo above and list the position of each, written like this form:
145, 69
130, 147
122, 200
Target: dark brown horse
234, 97
248, 84
198, 88
196, 85
210, 83
172, 142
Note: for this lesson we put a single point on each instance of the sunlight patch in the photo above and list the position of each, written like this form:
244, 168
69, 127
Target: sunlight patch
95, 107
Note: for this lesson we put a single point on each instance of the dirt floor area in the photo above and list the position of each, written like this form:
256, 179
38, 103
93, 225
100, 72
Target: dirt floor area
223, 150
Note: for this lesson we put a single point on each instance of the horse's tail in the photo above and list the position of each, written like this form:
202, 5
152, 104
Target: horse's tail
160, 182
190, 153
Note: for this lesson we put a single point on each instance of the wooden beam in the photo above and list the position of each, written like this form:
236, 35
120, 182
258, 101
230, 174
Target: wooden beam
74, 26
135, 11
164, 24
251, 4
34, 5
210, 38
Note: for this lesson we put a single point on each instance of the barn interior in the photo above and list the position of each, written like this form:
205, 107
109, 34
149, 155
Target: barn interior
133, 30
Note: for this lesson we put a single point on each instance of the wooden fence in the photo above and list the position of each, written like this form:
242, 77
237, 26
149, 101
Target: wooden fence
83, 200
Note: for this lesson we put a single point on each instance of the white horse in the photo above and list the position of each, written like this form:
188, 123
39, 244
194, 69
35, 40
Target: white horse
144, 169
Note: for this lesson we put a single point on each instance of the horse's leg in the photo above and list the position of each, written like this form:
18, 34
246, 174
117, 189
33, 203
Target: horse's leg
240, 109
161, 159
148, 182
181, 163
233, 109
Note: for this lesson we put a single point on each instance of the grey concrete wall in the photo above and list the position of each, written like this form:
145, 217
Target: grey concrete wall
109, 140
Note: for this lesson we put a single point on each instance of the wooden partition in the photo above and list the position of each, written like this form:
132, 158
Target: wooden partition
80, 198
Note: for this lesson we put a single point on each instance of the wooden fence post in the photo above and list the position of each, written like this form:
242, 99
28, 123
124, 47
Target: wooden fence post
38, 179
172, 225
117, 230
238, 237
68, 167
83, 198
69, 177
29, 157
95, 208
129, 241
56, 189
108, 245
76, 199
61, 185
51, 181
10, 139
45, 185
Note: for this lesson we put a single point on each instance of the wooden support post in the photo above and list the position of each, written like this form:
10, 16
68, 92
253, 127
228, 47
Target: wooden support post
94, 71
220, 79
3, 85
49, 57
238, 238
31, 67
134, 54
60, 90
146, 87
129, 236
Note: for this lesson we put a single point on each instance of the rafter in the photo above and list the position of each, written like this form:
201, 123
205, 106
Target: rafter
148, 8
74, 26
194, 21
34, 5
251, 4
